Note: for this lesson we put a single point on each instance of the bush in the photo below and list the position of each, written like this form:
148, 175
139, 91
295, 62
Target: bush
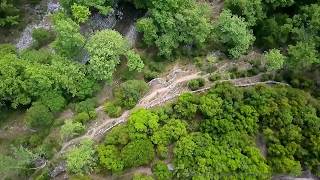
112, 109
137, 153
7, 49
81, 159
161, 171
130, 92
42, 37
196, 84
214, 77
139, 176
38, 116
53, 100
149, 75
86, 106
71, 129
82, 117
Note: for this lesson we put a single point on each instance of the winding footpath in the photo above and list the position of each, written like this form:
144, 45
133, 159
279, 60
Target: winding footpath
162, 90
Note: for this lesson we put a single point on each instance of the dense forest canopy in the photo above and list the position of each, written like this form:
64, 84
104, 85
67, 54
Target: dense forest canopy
250, 111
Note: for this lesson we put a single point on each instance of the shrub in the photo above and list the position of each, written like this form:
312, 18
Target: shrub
109, 157
82, 117
42, 37
130, 92
80, 159
161, 171
38, 116
71, 129
196, 84
214, 77
149, 75
7, 49
112, 109
139, 176
137, 153
119, 135
85, 106
53, 100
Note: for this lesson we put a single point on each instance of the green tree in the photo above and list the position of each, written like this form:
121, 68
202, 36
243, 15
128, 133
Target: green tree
139, 176
142, 123
69, 42
280, 3
172, 24
42, 37
80, 159
9, 14
130, 92
137, 153
302, 55
109, 158
105, 49
53, 100
186, 106
71, 129
169, 133
119, 135
251, 10
275, 60
134, 61
86, 106
232, 31
112, 109
38, 116
161, 171
80, 13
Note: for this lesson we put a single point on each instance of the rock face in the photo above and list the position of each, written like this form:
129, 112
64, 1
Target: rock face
61, 168
25, 40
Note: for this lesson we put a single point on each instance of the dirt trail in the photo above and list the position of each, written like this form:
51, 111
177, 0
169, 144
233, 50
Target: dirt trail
162, 90
171, 87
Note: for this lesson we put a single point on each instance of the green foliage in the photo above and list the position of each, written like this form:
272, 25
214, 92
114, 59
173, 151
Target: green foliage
42, 37
134, 61
172, 24
137, 153
204, 158
69, 42
41, 56
109, 158
80, 13
302, 55
9, 14
82, 118
85, 106
196, 84
186, 106
280, 3
6, 49
105, 49
170, 132
251, 10
53, 100
80, 159
119, 135
71, 129
161, 171
274, 32
275, 60
104, 6
139, 176
232, 31
20, 159
142, 123
112, 109
39, 116
129, 93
